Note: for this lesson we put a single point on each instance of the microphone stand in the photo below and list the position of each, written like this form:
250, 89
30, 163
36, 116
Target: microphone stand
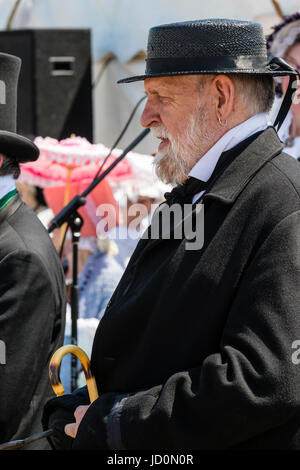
70, 215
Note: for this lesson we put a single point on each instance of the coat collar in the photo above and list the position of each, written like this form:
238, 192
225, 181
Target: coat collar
10, 207
244, 167
206, 165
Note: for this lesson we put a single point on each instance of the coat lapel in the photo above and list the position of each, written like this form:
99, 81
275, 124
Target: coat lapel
10, 208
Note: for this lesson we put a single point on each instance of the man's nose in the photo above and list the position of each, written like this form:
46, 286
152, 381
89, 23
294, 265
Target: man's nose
150, 115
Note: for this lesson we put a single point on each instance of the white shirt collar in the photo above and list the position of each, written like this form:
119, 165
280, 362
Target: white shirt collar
205, 166
7, 184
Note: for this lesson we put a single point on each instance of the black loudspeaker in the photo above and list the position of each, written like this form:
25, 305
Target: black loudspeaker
55, 90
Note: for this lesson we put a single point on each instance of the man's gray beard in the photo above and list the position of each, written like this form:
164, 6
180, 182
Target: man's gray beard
174, 165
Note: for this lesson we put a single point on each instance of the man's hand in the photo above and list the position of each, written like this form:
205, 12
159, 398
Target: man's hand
72, 428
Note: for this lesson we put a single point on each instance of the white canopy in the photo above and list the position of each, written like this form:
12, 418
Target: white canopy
120, 28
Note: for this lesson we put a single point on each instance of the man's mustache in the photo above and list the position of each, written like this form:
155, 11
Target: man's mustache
160, 131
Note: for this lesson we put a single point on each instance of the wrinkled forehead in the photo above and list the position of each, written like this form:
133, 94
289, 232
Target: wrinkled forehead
174, 84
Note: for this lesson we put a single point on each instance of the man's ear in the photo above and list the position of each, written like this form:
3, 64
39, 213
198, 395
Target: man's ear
224, 92
1, 160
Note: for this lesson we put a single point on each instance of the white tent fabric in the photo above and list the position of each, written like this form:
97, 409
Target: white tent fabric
120, 28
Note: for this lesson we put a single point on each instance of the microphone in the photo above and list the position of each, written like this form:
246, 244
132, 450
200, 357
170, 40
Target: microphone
79, 200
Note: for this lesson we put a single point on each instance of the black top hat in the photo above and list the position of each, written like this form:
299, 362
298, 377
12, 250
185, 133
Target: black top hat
11, 144
208, 46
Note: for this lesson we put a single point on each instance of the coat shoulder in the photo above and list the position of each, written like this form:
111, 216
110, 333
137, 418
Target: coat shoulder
288, 171
276, 184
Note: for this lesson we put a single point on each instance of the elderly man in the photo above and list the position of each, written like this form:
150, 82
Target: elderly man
195, 348
32, 288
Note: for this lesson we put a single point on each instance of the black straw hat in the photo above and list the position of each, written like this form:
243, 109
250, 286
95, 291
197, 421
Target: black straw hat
208, 46
213, 46
11, 144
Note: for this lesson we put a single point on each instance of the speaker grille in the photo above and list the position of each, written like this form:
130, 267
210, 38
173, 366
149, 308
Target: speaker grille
55, 92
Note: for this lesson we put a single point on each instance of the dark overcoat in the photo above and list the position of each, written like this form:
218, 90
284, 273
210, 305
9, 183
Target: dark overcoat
32, 319
202, 340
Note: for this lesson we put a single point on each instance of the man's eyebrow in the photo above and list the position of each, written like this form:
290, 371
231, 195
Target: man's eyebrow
152, 92
160, 92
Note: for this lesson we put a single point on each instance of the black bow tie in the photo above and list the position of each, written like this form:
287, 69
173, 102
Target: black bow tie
183, 193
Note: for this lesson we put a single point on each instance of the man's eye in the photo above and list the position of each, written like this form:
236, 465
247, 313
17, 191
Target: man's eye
165, 99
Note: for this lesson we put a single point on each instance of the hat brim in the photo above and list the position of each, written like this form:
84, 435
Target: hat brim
264, 71
18, 147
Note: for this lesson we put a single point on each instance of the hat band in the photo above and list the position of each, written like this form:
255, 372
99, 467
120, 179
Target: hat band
205, 64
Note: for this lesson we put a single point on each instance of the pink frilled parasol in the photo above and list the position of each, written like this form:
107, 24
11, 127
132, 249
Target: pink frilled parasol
65, 168
71, 160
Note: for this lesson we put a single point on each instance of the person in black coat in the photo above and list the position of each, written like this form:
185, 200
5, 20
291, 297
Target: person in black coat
196, 347
32, 287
